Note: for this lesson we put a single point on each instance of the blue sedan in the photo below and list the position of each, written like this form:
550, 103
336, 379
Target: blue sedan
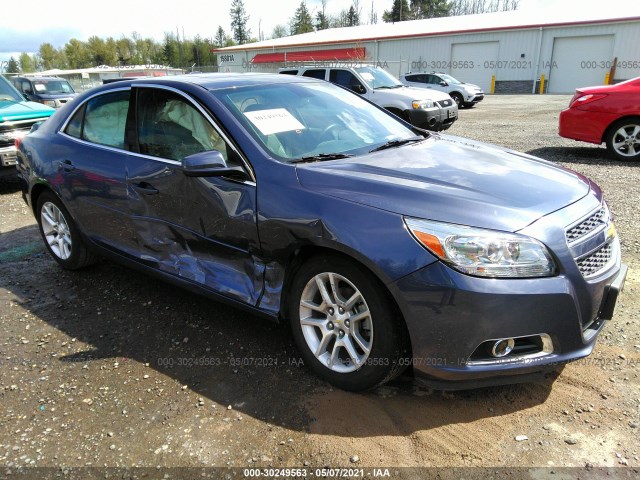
384, 246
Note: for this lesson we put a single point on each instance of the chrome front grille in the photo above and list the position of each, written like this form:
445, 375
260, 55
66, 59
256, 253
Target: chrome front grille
599, 218
595, 262
589, 241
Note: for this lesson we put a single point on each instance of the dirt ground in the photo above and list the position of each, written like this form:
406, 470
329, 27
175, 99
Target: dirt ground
109, 368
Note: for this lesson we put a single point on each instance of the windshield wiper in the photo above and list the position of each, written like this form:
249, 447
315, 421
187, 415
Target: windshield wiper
396, 143
321, 156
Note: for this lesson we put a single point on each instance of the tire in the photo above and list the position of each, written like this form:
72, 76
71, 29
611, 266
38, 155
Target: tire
623, 139
457, 98
351, 354
469, 105
60, 234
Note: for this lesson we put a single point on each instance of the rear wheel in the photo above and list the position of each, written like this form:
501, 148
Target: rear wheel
60, 234
344, 324
623, 139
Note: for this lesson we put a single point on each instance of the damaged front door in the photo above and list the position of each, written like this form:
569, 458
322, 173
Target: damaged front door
202, 229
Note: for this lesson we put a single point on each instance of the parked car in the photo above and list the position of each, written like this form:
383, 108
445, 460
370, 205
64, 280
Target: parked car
51, 91
17, 116
606, 114
430, 110
464, 94
383, 245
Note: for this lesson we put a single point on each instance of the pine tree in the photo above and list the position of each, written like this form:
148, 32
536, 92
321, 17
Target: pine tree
12, 66
430, 8
399, 12
301, 21
239, 19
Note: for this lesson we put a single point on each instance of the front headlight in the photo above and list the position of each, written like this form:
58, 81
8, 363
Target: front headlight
483, 253
422, 104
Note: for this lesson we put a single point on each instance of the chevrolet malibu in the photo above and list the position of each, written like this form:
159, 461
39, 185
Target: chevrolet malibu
384, 246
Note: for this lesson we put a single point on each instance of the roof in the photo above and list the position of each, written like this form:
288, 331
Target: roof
214, 81
104, 69
518, 19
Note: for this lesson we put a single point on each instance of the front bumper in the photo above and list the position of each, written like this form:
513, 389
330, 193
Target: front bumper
435, 119
8, 160
449, 315
475, 98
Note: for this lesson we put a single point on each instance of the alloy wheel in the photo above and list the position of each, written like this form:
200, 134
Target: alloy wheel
336, 322
56, 230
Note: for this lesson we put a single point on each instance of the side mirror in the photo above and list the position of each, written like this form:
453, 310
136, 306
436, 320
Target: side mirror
443, 83
210, 164
359, 89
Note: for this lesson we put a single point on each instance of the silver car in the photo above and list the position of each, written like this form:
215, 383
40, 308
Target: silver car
464, 94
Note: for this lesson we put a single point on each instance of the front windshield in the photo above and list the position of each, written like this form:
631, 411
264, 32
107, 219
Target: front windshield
450, 80
52, 87
8, 92
294, 121
378, 78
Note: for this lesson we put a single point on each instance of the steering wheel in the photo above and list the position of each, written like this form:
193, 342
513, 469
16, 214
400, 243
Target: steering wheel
332, 132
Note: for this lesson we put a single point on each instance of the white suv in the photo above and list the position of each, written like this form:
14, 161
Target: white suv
464, 94
431, 110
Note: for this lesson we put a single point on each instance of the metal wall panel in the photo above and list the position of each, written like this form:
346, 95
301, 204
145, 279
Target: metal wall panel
522, 54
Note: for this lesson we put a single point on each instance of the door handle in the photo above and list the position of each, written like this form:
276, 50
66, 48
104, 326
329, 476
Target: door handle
66, 165
146, 188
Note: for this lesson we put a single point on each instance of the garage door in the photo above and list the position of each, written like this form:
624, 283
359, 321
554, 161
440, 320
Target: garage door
576, 62
472, 62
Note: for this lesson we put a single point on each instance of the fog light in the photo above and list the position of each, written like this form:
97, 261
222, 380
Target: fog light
502, 347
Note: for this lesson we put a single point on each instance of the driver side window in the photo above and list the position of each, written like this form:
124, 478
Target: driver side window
170, 127
346, 79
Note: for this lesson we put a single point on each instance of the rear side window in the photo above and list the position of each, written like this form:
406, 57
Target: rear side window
105, 118
416, 78
316, 73
74, 127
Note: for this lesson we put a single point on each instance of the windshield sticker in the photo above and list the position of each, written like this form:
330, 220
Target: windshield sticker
367, 76
275, 120
40, 87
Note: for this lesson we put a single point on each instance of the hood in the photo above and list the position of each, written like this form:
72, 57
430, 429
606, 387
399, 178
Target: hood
470, 86
415, 93
450, 179
11, 111
54, 96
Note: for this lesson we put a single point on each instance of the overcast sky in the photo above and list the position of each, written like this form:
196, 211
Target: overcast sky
73, 18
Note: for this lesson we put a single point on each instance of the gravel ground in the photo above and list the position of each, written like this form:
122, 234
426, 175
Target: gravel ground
109, 368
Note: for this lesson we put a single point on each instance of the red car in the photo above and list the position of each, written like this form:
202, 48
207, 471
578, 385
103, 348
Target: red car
610, 113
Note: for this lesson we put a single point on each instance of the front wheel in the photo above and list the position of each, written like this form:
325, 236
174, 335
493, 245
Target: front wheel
458, 99
60, 234
623, 139
344, 324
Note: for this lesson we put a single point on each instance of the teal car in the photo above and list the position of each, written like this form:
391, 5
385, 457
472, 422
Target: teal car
17, 116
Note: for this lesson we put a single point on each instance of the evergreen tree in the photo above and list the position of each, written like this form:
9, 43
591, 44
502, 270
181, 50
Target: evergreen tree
322, 19
12, 66
430, 8
221, 37
301, 21
399, 12
353, 18
239, 19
